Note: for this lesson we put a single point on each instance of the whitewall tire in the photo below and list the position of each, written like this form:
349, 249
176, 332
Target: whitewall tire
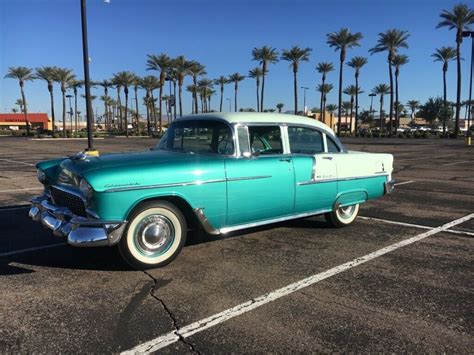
155, 235
343, 216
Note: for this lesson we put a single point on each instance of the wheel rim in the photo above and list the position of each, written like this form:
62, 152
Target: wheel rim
154, 235
346, 212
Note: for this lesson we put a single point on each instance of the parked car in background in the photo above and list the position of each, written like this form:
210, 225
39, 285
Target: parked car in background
220, 172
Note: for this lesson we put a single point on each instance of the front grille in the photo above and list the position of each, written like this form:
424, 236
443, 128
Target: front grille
69, 200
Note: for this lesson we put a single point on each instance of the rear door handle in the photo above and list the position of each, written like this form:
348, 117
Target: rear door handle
327, 158
288, 160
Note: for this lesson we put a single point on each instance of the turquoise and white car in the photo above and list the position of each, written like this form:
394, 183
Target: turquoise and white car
219, 172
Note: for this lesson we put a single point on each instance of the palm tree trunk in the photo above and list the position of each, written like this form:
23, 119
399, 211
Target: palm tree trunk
75, 108
356, 102
264, 68
148, 128
339, 110
235, 97
295, 89
174, 99
126, 111
160, 106
445, 103
397, 114
321, 111
195, 98
258, 94
119, 104
381, 118
352, 111
390, 74
136, 107
458, 87
64, 112
180, 93
25, 109
209, 103
52, 106
153, 109
222, 98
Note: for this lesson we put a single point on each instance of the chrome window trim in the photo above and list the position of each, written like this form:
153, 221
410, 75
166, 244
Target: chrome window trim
340, 179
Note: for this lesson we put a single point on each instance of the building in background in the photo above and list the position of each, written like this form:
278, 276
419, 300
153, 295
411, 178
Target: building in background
17, 121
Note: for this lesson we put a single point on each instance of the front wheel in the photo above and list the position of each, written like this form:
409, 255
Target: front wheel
155, 235
343, 216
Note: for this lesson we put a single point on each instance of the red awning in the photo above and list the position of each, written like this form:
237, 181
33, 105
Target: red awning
20, 117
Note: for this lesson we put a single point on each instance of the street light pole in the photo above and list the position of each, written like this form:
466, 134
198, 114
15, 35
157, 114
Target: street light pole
304, 99
87, 82
469, 104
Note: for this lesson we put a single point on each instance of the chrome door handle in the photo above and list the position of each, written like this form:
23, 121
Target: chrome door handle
288, 160
327, 158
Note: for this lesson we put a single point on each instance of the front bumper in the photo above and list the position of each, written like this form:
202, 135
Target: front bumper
80, 231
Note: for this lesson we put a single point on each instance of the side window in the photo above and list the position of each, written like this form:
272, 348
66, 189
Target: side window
265, 140
305, 140
332, 146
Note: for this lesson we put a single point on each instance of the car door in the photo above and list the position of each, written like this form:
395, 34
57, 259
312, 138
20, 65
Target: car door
260, 186
315, 170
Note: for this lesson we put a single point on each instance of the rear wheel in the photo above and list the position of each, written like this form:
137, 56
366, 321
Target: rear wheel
155, 235
343, 216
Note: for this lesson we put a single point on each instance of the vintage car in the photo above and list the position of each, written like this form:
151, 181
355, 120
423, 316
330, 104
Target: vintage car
221, 172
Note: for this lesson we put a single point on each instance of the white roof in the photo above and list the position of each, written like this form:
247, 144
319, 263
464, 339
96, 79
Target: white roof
261, 117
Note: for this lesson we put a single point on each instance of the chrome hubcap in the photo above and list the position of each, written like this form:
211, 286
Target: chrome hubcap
154, 235
346, 212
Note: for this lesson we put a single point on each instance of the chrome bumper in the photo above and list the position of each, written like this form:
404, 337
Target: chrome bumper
389, 186
80, 231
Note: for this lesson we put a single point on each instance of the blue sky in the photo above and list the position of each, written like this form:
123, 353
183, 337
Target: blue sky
221, 34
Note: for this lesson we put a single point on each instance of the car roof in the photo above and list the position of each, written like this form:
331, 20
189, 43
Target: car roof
261, 117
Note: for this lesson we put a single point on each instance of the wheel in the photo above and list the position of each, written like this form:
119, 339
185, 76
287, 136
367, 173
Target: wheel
343, 216
155, 235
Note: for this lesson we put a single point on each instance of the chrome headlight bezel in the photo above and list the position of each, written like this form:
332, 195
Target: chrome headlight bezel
86, 189
41, 176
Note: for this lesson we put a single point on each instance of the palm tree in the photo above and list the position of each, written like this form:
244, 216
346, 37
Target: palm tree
295, 55
324, 89
264, 55
196, 69
460, 18
126, 79
331, 108
106, 100
341, 41
193, 89
118, 87
106, 84
382, 90
357, 63
205, 85
323, 68
47, 74
353, 91
136, 84
181, 67
444, 55
413, 104
64, 77
149, 83
397, 61
256, 73
279, 107
236, 78
74, 85
19, 103
22, 74
162, 64
221, 81
346, 105
390, 41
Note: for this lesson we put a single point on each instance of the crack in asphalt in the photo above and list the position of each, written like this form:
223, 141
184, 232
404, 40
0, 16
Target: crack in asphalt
174, 322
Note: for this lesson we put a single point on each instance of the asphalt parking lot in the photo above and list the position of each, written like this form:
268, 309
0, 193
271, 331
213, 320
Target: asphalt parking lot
399, 279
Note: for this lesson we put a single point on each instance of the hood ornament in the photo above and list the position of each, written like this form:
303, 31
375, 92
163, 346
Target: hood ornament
78, 156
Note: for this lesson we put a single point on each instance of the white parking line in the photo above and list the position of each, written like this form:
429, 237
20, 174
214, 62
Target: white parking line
17, 190
403, 183
23, 251
199, 326
458, 162
423, 158
18, 162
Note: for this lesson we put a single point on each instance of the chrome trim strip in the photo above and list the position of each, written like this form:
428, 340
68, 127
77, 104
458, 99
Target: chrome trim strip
311, 182
205, 223
161, 186
249, 178
273, 220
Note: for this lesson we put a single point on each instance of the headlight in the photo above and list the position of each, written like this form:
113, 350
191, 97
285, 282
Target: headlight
86, 189
41, 176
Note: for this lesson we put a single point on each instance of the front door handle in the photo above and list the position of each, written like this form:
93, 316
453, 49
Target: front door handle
288, 160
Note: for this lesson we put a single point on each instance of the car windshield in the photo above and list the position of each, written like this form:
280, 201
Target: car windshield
198, 136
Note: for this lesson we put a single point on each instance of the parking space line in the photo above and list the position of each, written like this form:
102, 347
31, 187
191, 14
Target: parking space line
17, 162
17, 190
201, 325
422, 158
27, 250
457, 162
403, 183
